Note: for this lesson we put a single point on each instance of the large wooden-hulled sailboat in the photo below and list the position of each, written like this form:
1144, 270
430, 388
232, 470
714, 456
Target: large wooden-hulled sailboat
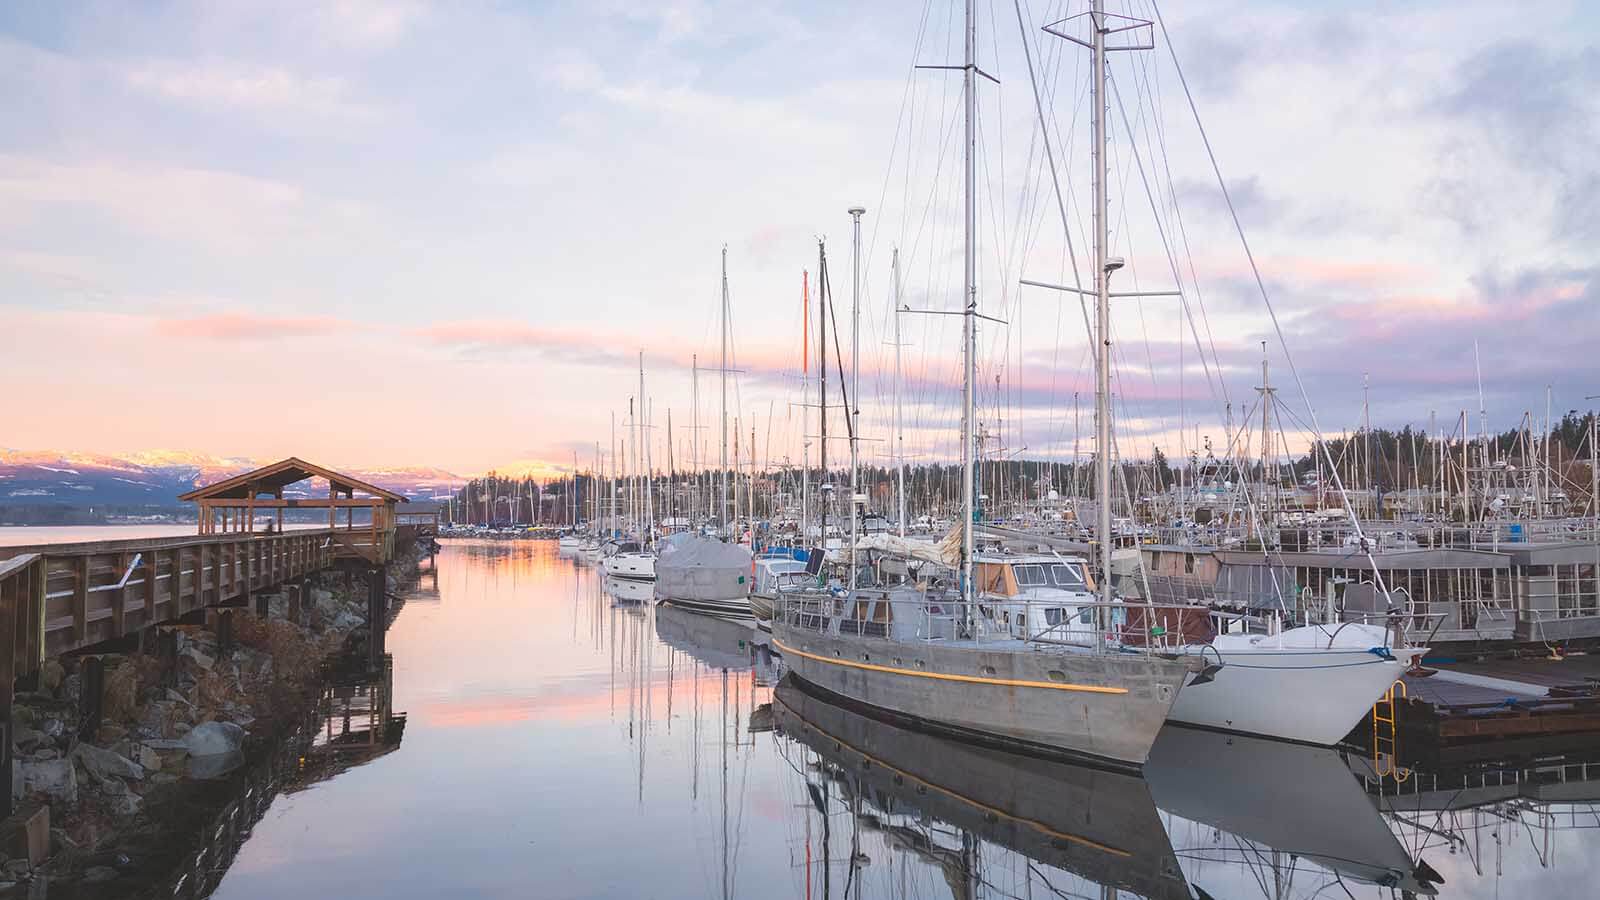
934, 655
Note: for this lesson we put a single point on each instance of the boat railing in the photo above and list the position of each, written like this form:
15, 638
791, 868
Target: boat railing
908, 615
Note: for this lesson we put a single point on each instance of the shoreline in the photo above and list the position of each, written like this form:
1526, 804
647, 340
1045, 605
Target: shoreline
181, 743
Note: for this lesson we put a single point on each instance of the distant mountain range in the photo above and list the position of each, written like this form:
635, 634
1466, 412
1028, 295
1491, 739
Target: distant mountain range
154, 479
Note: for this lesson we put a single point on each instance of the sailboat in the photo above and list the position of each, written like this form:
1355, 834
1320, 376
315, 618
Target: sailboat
1311, 684
933, 655
636, 561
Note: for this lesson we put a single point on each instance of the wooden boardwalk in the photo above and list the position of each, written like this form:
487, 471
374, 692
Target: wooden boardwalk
59, 598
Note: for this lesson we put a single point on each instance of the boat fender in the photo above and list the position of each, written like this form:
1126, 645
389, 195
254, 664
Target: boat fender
1381, 653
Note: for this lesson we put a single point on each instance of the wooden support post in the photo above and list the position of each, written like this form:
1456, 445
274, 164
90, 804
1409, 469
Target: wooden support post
174, 582
225, 633
119, 603
295, 591
199, 577
152, 572
167, 652
377, 614
263, 608
80, 599
92, 697
11, 602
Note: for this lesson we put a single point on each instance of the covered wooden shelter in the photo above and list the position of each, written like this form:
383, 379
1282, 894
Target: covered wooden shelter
232, 505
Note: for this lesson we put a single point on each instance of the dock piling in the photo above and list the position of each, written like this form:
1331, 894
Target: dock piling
225, 633
91, 697
377, 610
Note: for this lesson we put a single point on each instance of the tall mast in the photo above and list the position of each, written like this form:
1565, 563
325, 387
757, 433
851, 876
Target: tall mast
822, 383
1102, 276
969, 337
854, 410
672, 475
611, 512
899, 434
642, 449
805, 398
694, 439
726, 525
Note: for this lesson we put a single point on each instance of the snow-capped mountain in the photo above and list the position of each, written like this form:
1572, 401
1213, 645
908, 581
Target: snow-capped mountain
156, 478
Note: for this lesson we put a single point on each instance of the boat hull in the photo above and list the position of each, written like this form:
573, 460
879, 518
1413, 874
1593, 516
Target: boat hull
1106, 708
630, 566
762, 606
1311, 696
731, 608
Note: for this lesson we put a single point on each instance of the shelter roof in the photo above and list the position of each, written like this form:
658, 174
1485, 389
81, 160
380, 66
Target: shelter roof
279, 475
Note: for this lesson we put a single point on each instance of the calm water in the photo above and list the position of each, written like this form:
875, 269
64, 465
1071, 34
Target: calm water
28, 535
560, 744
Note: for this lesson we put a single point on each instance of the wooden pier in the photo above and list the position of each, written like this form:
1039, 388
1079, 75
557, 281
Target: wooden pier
58, 599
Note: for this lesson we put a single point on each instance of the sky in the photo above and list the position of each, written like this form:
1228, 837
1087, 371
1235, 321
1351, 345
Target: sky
414, 233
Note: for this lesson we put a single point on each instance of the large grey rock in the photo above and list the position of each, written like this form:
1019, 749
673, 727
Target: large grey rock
126, 804
326, 606
347, 620
210, 738
215, 765
199, 659
26, 739
105, 765
146, 756
56, 778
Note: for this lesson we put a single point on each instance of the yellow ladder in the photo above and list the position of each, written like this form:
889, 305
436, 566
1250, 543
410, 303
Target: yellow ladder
1386, 736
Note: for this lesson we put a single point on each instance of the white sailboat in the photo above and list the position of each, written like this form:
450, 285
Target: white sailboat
1311, 684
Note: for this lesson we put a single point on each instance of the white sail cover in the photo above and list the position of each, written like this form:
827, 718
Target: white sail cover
691, 567
942, 553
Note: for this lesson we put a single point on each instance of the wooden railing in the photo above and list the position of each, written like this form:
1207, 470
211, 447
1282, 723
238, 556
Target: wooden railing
78, 595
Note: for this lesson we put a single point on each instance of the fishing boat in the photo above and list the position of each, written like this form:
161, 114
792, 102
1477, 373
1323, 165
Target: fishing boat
929, 652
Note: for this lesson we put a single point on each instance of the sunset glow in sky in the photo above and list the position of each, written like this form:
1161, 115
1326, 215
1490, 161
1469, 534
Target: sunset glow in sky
421, 233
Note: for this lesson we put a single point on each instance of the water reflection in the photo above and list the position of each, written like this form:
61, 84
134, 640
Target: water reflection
352, 723
981, 818
568, 740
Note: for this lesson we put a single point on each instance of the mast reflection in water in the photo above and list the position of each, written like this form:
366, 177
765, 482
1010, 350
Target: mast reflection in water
564, 742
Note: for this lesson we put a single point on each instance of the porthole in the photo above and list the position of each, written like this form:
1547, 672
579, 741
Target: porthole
988, 670
1056, 675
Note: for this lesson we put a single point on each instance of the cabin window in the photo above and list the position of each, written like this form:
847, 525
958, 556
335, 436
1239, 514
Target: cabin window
1052, 615
1030, 576
1065, 576
1086, 615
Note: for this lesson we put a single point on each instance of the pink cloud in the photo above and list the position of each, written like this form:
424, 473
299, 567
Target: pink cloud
250, 327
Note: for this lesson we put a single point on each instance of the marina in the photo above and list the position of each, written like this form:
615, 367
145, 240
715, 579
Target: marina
733, 781
976, 450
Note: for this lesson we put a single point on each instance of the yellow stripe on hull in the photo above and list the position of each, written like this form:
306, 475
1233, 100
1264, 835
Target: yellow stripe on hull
942, 676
